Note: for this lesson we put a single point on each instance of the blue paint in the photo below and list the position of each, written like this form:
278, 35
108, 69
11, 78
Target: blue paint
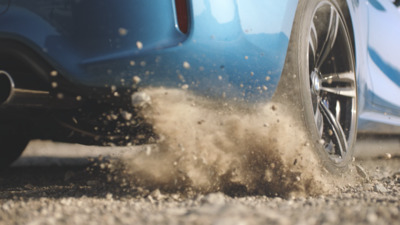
222, 42
377, 5
390, 71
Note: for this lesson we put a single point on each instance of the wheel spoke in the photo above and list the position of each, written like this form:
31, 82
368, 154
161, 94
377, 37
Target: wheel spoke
313, 40
347, 77
330, 39
342, 91
336, 128
319, 121
338, 109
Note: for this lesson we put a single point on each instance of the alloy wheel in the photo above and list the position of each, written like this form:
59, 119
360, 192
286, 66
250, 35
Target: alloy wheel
332, 81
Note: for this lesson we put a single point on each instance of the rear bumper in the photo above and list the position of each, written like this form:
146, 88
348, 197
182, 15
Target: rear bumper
100, 44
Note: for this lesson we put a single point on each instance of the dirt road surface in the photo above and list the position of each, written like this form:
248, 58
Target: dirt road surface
65, 184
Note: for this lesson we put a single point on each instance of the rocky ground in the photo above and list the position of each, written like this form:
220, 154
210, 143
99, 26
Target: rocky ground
79, 191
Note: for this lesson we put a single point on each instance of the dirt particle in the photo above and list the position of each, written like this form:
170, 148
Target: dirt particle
109, 196
361, 171
60, 96
136, 79
139, 45
53, 73
123, 32
140, 99
186, 65
126, 115
380, 188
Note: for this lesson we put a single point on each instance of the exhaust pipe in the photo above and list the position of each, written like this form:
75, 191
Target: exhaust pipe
10, 95
6, 86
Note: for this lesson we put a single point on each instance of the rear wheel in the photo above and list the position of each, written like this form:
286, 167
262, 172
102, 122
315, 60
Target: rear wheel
321, 73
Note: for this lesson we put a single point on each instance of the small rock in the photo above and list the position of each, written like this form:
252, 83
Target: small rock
214, 199
362, 172
156, 194
136, 79
368, 187
175, 197
126, 115
150, 199
65, 201
140, 99
380, 188
7, 206
109, 196
29, 186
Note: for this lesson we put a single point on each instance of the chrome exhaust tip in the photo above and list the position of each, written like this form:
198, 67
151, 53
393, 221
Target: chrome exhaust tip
6, 87
11, 95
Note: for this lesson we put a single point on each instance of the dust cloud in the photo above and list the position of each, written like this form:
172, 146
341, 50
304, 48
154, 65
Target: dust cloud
207, 146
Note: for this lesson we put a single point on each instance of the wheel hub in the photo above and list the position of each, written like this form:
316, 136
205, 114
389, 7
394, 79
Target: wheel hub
315, 83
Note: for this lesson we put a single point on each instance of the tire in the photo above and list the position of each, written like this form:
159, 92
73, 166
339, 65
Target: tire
319, 74
13, 141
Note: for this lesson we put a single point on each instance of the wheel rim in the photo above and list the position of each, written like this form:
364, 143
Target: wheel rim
332, 81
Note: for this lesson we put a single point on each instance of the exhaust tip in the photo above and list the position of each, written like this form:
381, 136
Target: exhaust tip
6, 86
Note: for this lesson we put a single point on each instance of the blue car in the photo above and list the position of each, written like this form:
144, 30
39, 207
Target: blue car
67, 65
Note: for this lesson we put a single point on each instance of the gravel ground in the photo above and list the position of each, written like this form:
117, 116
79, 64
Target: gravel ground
35, 193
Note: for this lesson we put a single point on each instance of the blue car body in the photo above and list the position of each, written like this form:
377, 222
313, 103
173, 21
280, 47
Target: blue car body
234, 48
